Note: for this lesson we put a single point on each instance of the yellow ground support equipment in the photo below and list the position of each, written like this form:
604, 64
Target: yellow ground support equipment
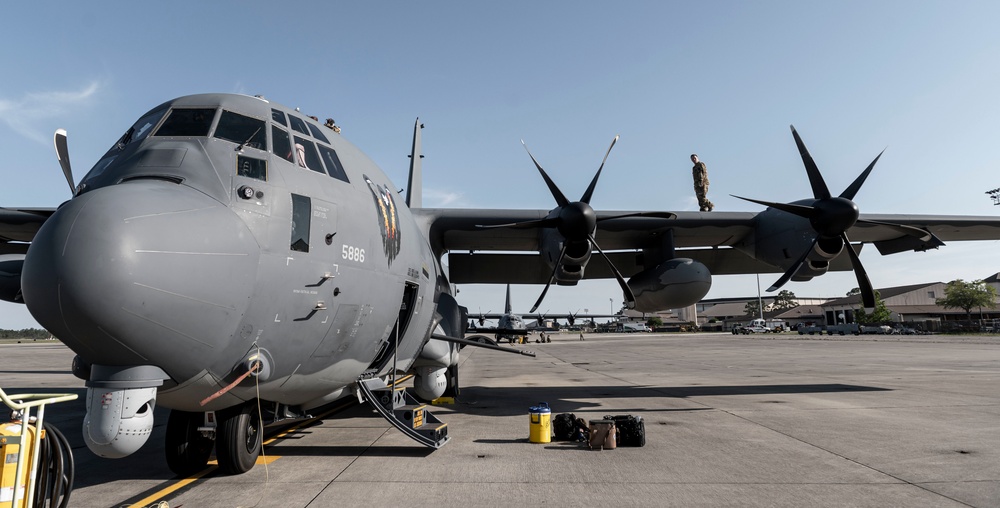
20, 445
10, 448
540, 423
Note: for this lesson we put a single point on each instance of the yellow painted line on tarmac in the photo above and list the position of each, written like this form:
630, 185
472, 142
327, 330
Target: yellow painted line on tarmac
263, 459
155, 497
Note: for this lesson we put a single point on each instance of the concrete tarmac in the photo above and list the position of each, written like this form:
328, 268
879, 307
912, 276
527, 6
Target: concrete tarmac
743, 421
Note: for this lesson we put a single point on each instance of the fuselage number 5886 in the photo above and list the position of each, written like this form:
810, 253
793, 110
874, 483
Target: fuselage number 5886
352, 253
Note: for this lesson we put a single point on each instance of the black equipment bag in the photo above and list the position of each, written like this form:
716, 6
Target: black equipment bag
631, 430
564, 426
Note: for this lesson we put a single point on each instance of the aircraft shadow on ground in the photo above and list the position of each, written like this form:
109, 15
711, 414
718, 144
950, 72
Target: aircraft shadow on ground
148, 463
509, 401
414, 451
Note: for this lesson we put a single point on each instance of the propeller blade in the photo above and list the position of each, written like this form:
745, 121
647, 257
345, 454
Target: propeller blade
593, 183
864, 284
629, 296
552, 277
819, 188
62, 153
853, 189
657, 215
803, 211
794, 268
921, 234
553, 188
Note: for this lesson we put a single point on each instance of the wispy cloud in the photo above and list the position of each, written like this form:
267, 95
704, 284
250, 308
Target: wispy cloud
440, 198
27, 115
240, 88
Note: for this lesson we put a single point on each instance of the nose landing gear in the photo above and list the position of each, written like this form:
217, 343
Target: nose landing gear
237, 437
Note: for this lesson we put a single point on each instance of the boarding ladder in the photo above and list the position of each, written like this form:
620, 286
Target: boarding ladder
404, 412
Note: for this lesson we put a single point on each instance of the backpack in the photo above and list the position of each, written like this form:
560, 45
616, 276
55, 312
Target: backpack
564, 426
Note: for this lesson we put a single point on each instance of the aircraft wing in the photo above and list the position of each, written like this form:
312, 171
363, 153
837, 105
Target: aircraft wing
510, 254
459, 229
18, 227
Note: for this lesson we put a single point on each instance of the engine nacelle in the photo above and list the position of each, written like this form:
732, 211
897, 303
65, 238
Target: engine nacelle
120, 403
818, 261
430, 382
780, 239
10, 277
673, 284
570, 270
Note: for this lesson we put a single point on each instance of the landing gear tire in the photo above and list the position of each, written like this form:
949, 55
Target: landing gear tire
238, 438
187, 450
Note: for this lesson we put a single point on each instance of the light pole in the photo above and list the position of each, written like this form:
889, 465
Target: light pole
760, 302
611, 301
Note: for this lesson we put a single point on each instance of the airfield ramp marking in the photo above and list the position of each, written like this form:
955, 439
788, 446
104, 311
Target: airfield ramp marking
157, 496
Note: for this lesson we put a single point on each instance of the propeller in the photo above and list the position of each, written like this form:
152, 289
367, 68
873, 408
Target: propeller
571, 318
831, 217
62, 153
576, 221
540, 319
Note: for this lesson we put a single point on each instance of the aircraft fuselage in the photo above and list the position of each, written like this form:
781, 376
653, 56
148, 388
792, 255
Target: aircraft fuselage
223, 230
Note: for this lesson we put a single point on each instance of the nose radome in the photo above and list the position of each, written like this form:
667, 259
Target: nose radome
141, 271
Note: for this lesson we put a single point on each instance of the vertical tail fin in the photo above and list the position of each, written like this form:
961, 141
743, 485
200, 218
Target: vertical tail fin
414, 187
506, 307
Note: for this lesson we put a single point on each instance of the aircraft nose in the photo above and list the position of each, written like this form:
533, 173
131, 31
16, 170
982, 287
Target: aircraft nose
141, 271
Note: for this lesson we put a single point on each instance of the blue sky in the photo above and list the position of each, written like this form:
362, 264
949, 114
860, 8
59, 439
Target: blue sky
723, 79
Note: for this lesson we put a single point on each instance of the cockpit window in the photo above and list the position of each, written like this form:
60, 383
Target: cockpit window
280, 144
187, 122
306, 156
278, 117
317, 133
142, 127
244, 130
298, 124
139, 130
333, 165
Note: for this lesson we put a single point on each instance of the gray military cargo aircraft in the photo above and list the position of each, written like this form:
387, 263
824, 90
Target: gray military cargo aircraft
512, 326
229, 254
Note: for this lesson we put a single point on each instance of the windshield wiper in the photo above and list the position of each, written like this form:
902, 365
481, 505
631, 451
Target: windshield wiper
238, 148
126, 138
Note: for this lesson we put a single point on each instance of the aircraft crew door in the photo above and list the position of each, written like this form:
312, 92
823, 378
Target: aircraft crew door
406, 308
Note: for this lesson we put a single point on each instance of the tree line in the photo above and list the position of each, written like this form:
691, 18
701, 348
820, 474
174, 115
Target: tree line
25, 334
959, 294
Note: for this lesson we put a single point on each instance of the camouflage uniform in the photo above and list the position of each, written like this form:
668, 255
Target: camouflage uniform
700, 174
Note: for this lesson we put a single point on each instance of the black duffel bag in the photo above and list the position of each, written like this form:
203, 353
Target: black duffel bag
631, 431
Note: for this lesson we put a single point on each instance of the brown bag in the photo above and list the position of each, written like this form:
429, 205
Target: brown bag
602, 434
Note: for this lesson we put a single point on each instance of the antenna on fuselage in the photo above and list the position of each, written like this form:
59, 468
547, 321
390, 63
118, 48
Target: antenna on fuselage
414, 187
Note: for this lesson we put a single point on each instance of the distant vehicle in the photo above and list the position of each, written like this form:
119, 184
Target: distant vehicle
811, 330
843, 329
877, 330
635, 327
755, 326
